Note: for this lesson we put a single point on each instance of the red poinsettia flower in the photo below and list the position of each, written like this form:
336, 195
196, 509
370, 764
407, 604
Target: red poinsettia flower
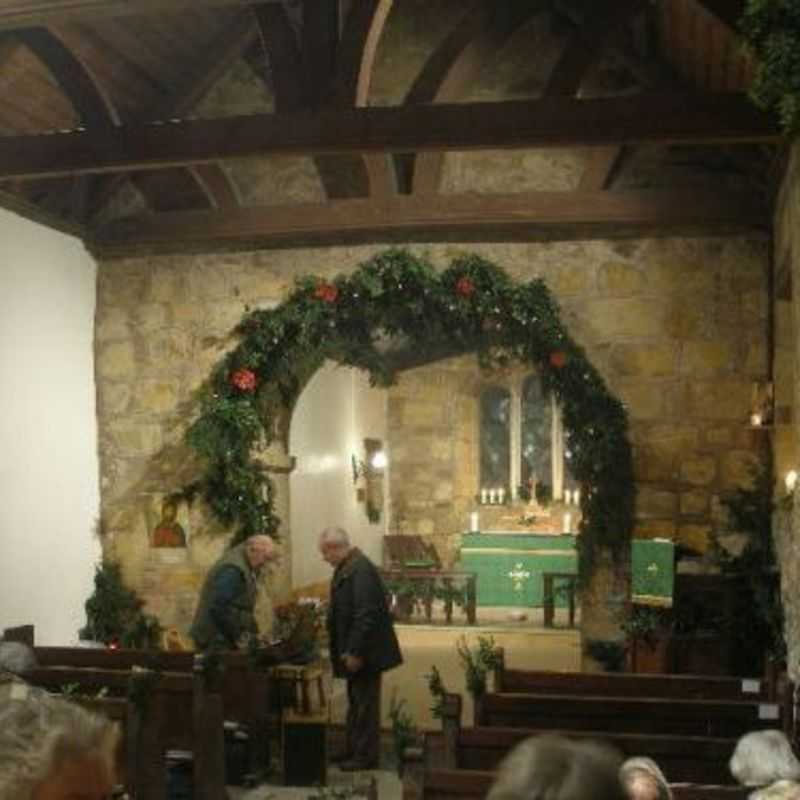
465, 287
244, 380
558, 358
326, 292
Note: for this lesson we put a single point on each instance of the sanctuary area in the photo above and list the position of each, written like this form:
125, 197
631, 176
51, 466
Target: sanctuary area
388, 383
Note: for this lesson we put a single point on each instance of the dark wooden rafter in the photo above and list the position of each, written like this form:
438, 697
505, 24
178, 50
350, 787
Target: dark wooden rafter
85, 94
299, 80
16, 14
548, 122
584, 47
219, 189
355, 57
526, 216
450, 69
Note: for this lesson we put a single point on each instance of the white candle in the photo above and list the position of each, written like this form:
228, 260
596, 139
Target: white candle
568, 523
567, 496
491, 495
474, 525
576, 497
501, 495
484, 496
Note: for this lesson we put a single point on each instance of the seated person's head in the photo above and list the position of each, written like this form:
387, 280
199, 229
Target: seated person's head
16, 658
780, 790
762, 757
553, 768
644, 780
52, 749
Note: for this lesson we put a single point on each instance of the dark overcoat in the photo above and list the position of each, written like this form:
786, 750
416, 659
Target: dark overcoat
359, 620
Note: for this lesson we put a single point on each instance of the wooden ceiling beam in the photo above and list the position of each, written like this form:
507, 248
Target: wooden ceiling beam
549, 122
439, 217
15, 14
455, 63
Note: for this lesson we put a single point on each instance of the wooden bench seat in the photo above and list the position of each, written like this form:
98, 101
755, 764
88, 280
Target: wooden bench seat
725, 718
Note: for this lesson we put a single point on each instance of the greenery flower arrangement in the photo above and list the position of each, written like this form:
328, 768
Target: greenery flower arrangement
478, 663
399, 300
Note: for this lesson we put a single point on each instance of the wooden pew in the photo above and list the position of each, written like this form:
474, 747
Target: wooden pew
675, 716
164, 711
245, 690
622, 684
20, 633
471, 784
694, 759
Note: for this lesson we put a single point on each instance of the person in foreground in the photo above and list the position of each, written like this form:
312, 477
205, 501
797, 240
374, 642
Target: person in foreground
764, 758
363, 644
644, 780
553, 768
51, 749
225, 616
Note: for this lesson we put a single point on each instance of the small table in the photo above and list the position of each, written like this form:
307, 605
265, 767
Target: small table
548, 595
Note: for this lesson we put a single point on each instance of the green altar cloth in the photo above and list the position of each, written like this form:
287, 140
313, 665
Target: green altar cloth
509, 567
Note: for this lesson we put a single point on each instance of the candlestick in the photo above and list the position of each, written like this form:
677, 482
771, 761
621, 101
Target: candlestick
576, 497
567, 496
501, 494
491, 495
484, 496
568, 523
474, 525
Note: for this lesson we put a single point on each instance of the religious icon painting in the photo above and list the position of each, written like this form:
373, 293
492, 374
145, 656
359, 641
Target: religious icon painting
169, 532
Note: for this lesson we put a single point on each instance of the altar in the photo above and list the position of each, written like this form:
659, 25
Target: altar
509, 567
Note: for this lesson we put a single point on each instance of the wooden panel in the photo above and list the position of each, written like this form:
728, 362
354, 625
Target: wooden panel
549, 122
551, 215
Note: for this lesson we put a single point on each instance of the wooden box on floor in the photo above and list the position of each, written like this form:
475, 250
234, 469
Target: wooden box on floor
304, 748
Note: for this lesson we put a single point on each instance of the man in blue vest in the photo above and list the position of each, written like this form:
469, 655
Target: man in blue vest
225, 613
363, 644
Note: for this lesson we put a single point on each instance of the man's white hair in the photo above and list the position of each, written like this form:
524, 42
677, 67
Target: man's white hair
763, 757
780, 790
17, 658
633, 770
337, 536
39, 733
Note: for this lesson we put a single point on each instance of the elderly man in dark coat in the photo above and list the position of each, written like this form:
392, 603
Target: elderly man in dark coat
363, 644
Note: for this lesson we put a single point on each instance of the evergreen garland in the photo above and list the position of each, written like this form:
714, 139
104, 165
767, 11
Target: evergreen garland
772, 29
398, 297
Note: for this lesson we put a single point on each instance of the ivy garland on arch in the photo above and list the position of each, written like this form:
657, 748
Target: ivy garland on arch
397, 296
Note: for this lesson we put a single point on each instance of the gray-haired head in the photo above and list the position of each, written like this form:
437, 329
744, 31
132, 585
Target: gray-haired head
40, 734
780, 790
644, 780
335, 536
763, 757
553, 768
17, 658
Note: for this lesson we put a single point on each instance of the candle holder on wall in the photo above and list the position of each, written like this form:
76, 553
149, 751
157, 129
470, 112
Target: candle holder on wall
370, 471
762, 405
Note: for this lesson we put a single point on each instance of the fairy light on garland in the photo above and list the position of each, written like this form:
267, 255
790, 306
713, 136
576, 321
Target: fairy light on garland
472, 306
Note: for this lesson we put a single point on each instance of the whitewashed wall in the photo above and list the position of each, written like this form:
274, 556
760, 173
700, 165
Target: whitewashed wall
49, 498
334, 414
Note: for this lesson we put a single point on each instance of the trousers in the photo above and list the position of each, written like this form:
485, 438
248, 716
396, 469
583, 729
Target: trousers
363, 726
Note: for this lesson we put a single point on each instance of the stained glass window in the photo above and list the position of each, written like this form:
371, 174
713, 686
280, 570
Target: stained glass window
495, 437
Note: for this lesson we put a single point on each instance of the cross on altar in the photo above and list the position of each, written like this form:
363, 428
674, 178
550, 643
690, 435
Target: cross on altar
518, 575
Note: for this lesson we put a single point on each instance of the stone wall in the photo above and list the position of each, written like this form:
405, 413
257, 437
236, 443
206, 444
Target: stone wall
676, 326
787, 519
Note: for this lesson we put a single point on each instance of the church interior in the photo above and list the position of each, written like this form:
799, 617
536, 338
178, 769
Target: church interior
503, 288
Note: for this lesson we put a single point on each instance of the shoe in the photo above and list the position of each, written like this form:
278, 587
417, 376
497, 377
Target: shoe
356, 765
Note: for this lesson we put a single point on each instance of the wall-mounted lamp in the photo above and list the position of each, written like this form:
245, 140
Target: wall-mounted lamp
762, 404
370, 469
